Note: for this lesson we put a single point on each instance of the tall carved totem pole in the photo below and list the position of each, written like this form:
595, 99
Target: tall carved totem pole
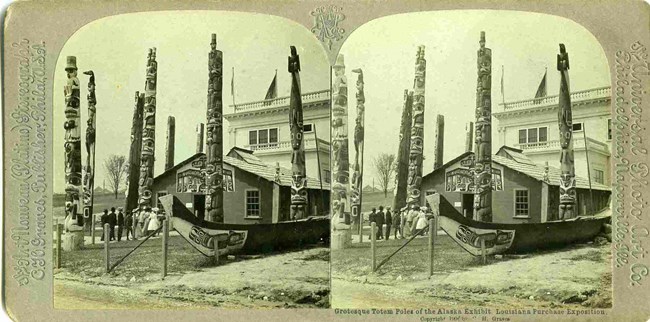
565, 120
439, 138
89, 170
417, 131
483, 140
357, 175
341, 171
72, 145
148, 132
298, 170
214, 149
171, 140
134, 154
401, 175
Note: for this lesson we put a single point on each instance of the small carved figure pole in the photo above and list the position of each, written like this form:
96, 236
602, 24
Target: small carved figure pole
134, 153
483, 141
89, 170
199, 138
469, 137
439, 139
72, 145
341, 172
298, 171
171, 137
401, 175
148, 132
565, 120
417, 131
357, 175
214, 148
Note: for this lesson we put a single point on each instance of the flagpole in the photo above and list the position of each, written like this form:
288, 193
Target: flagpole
232, 86
503, 97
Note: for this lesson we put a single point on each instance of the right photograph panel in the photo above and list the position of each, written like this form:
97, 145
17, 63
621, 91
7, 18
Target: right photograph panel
471, 164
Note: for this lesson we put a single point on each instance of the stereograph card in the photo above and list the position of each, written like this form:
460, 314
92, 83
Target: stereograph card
326, 160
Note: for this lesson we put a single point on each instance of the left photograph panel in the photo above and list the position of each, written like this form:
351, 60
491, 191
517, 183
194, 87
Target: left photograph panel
191, 163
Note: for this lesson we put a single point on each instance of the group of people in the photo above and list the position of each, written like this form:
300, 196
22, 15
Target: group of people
135, 222
405, 222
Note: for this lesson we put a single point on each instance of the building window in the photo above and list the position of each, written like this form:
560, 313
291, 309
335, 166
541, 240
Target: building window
609, 129
577, 127
308, 127
599, 176
521, 203
326, 176
252, 203
158, 195
533, 135
265, 137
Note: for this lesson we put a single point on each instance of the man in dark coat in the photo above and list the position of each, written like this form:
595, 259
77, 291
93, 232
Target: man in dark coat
379, 219
371, 218
388, 219
128, 225
397, 222
112, 221
120, 223
104, 219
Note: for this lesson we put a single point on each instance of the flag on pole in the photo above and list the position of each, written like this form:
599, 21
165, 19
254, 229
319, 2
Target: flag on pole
272, 92
232, 85
541, 90
503, 99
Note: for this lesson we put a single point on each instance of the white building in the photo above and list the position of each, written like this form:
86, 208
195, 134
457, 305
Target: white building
532, 126
263, 127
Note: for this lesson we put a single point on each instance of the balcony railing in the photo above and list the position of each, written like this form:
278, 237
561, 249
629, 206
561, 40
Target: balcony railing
594, 93
310, 143
323, 95
578, 143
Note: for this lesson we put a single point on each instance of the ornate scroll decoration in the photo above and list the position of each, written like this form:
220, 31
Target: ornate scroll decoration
148, 132
341, 171
214, 149
417, 131
72, 145
482, 140
357, 175
171, 136
298, 171
134, 153
565, 120
89, 170
401, 175
439, 139
326, 20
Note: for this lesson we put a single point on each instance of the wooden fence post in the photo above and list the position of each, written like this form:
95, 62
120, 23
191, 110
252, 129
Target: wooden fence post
165, 239
432, 238
360, 228
92, 228
107, 237
483, 251
59, 230
216, 251
373, 240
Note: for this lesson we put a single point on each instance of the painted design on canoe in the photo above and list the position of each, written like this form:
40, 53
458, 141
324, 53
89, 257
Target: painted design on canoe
514, 238
242, 238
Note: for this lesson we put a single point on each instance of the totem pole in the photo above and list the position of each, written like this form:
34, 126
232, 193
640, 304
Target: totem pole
401, 175
417, 131
298, 171
483, 141
134, 153
89, 170
214, 148
72, 145
199, 138
565, 120
148, 132
469, 137
171, 136
439, 139
341, 172
357, 175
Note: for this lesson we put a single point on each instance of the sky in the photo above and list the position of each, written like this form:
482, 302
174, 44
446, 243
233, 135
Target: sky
524, 43
115, 48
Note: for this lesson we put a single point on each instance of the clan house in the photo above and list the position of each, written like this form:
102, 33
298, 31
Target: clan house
254, 191
522, 190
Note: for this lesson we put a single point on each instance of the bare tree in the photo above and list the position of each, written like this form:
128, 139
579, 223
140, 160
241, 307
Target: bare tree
385, 166
116, 169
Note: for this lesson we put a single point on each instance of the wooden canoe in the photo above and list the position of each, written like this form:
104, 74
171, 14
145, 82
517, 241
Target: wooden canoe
236, 238
515, 238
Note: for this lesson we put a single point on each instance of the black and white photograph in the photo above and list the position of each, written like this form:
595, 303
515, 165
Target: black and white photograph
191, 163
470, 163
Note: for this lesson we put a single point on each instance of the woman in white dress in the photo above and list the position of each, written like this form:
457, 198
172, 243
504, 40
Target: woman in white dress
153, 221
422, 220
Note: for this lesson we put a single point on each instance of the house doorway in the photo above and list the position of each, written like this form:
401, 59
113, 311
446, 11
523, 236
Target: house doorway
468, 205
199, 206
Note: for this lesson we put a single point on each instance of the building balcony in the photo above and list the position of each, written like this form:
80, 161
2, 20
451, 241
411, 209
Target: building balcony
285, 146
594, 94
311, 97
554, 146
